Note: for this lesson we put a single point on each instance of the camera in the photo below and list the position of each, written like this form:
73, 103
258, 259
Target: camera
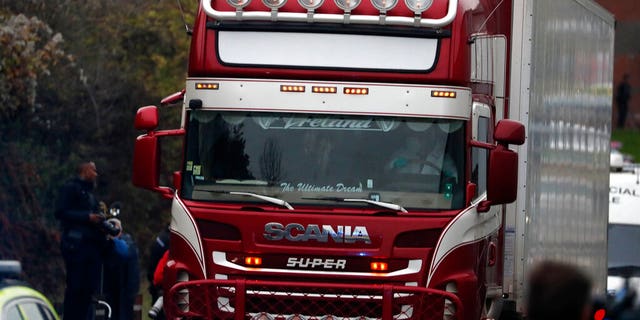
156, 308
110, 228
107, 225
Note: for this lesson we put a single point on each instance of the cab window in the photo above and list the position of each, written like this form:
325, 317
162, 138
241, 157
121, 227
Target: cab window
480, 156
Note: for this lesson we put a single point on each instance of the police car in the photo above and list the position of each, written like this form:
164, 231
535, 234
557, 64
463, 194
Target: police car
17, 300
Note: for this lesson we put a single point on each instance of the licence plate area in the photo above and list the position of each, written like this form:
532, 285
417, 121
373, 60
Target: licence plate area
271, 300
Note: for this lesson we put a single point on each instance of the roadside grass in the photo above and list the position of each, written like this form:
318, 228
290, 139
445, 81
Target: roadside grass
146, 297
630, 139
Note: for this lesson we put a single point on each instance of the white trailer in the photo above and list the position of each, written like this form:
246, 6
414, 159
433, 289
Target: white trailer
560, 88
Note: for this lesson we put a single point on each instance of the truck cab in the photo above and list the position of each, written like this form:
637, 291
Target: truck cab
342, 159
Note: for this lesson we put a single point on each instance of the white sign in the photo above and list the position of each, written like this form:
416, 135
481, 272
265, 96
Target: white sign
624, 198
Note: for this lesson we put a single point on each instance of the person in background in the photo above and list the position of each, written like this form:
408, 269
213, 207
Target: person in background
121, 274
623, 95
83, 241
157, 250
558, 291
157, 310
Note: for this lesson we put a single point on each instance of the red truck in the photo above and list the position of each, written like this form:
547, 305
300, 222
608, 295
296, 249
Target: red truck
351, 159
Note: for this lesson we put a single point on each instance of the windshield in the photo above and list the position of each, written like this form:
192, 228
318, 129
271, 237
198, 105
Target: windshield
307, 159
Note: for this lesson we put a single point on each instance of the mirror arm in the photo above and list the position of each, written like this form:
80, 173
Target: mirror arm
173, 98
165, 192
484, 206
165, 133
480, 144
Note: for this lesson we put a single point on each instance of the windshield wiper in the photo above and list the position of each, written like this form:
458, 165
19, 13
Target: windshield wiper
246, 182
273, 200
386, 205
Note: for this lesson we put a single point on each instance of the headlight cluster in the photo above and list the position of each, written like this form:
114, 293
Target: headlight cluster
417, 6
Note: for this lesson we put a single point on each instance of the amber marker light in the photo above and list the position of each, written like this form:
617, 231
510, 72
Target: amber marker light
207, 86
287, 88
443, 94
379, 266
356, 91
318, 89
253, 261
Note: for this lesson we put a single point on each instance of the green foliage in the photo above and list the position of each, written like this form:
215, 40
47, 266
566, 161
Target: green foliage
27, 49
66, 101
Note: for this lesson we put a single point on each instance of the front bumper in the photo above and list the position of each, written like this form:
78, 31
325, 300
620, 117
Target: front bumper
272, 300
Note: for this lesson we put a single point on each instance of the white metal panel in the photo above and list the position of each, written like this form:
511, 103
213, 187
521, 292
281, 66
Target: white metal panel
520, 81
564, 90
468, 227
382, 99
326, 50
183, 225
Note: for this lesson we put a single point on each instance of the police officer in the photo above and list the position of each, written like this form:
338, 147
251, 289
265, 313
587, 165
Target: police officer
83, 241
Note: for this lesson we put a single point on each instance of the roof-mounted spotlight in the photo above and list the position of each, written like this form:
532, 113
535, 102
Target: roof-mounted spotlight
418, 6
347, 5
310, 5
384, 5
239, 4
274, 4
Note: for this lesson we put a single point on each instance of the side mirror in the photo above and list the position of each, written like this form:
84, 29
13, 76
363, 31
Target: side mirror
502, 183
509, 132
502, 177
146, 118
146, 153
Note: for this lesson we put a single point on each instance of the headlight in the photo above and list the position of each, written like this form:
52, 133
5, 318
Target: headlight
418, 6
